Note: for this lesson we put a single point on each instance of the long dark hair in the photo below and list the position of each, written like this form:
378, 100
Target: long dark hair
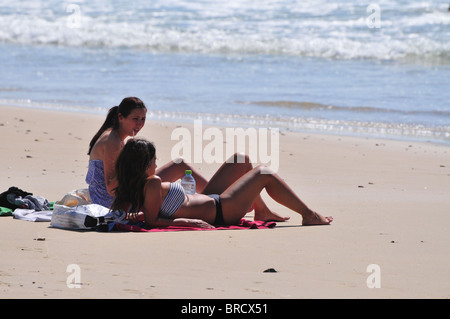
131, 166
125, 107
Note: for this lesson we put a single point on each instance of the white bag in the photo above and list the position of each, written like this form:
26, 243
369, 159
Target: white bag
85, 217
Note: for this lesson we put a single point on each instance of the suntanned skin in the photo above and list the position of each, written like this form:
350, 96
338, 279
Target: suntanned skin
230, 171
199, 210
110, 143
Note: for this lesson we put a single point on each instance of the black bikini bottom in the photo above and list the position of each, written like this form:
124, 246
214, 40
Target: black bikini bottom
219, 213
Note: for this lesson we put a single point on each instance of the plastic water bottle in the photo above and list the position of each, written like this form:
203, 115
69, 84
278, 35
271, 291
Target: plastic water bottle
188, 182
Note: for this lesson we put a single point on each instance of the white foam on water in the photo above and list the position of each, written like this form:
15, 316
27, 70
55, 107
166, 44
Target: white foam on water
300, 28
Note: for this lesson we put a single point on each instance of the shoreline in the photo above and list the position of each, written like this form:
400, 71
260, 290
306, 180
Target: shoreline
389, 200
316, 126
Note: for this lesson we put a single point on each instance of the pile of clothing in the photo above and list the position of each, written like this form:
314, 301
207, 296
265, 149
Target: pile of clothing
74, 211
24, 205
14, 198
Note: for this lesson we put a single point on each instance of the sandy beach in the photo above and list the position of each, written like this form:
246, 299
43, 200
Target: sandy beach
390, 201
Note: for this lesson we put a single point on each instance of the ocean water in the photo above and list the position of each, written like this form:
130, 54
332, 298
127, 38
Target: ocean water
360, 68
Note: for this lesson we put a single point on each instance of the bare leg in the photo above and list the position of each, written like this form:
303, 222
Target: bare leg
174, 170
230, 171
239, 196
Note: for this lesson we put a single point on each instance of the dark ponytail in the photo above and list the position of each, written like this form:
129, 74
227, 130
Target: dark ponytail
125, 107
112, 121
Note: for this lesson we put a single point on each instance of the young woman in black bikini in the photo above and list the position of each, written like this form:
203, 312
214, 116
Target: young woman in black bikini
166, 204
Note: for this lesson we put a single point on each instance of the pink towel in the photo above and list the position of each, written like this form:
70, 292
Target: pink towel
244, 224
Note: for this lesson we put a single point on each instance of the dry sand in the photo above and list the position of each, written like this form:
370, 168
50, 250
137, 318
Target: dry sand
390, 201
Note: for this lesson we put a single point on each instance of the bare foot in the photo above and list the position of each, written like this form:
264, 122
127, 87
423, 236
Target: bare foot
316, 219
267, 215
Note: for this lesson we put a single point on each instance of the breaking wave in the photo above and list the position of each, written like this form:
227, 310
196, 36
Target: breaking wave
297, 28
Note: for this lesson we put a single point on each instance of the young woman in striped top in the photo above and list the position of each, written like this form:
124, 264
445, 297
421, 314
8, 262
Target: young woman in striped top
166, 204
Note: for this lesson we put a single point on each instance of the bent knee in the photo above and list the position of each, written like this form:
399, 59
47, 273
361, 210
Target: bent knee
265, 170
178, 160
239, 158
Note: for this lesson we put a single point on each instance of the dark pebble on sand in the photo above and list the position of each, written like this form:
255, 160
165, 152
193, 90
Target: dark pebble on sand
270, 270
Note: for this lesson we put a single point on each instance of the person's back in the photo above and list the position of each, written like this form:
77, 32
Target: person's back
121, 122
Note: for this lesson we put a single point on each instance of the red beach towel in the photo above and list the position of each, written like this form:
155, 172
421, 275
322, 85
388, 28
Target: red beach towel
244, 224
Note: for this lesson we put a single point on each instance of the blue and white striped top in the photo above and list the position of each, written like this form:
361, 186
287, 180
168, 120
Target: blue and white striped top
174, 199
